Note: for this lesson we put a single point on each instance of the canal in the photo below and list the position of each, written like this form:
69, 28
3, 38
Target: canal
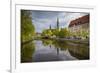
45, 50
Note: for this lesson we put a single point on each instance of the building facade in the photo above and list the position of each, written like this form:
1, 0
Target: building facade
80, 27
81, 23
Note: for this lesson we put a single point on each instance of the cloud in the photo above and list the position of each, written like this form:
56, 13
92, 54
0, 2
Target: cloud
43, 19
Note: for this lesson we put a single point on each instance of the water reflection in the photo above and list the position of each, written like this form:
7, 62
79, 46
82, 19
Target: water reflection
79, 50
27, 50
54, 50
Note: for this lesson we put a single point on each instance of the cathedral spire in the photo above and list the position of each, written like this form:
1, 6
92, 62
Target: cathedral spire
57, 23
50, 27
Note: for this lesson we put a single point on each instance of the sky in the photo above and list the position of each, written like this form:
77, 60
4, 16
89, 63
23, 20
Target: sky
44, 19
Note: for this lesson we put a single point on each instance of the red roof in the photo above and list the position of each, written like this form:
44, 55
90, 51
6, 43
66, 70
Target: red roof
79, 21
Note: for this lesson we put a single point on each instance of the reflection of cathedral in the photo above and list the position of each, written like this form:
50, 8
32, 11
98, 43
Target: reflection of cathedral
80, 23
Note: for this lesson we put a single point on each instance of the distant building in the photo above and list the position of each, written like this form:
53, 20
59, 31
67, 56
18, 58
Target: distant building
81, 23
38, 34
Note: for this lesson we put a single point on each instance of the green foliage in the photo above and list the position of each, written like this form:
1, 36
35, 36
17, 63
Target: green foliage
82, 33
55, 32
27, 28
64, 33
47, 33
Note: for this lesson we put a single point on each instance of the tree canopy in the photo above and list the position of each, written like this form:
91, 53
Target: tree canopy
27, 28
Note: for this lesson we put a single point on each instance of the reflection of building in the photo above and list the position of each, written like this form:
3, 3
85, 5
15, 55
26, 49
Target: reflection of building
80, 23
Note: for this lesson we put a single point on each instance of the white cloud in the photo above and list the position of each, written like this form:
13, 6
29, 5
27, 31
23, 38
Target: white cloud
43, 19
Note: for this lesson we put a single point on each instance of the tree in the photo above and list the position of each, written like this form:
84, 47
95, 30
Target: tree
27, 28
47, 33
55, 32
63, 33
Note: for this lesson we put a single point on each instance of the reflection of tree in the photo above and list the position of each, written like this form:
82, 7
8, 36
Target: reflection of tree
26, 52
80, 53
47, 42
60, 44
77, 49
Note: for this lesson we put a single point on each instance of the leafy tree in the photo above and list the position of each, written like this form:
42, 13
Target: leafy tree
84, 33
64, 33
55, 32
27, 28
47, 33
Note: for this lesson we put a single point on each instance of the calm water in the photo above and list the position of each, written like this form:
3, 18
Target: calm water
54, 50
